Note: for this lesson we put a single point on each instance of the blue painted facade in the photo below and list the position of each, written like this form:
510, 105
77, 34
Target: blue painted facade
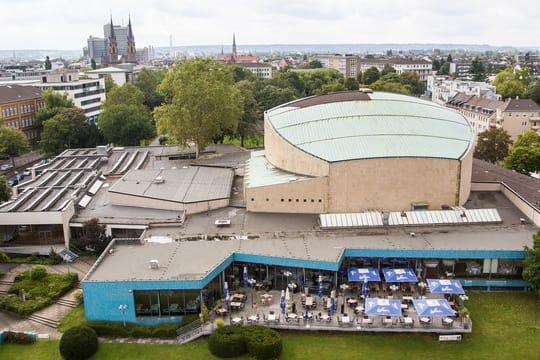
102, 298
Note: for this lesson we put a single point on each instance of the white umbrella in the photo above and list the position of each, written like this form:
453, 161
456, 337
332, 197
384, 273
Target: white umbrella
287, 295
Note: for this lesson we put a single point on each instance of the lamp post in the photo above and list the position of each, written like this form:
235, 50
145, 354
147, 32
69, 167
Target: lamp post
123, 308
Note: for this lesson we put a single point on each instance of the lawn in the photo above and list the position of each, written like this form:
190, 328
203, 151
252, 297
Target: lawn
506, 326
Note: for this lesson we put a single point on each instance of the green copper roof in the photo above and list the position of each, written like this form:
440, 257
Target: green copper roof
385, 125
259, 172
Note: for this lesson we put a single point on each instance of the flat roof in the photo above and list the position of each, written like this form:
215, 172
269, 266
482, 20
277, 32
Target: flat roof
194, 260
260, 172
185, 185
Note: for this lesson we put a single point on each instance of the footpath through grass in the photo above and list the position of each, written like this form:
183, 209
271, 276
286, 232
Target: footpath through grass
505, 326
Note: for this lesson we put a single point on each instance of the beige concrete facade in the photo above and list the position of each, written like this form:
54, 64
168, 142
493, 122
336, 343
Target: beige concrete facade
285, 156
151, 203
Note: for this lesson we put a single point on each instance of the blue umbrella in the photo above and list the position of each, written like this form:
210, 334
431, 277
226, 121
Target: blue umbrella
433, 307
445, 286
365, 289
385, 307
282, 301
363, 274
332, 305
399, 275
320, 286
246, 283
306, 315
226, 293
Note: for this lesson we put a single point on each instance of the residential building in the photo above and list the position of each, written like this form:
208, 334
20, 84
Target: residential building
264, 71
18, 107
518, 116
87, 94
348, 65
480, 112
462, 70
443, 88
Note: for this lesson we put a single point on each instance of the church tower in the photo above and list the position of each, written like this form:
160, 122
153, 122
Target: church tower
112, 48
131, 51
233, 55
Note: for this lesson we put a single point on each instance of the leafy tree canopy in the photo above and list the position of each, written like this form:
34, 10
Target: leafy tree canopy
68, 129
126, 124
54, 104
5, 193
370, 75
127, 94
200, 102
148, 82
531, 269
492, 145
13, 142
524, 156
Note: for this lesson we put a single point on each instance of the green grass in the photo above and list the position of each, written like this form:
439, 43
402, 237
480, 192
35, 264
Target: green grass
75, 317
505, 326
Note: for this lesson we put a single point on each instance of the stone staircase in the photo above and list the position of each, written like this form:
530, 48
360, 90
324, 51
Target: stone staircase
44, 320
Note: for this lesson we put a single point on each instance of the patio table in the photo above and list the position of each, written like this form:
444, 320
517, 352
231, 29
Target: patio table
448, 322
309, 301
358, 309
387, 321
367, 321
326, 317
236, 305
236, 320
352, 302
408, 321
272, 317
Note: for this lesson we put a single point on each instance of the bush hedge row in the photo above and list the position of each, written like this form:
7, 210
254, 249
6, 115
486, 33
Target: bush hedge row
259, 341
117, 329
14, 337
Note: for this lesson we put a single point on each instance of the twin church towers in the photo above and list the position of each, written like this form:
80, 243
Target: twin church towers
116, 55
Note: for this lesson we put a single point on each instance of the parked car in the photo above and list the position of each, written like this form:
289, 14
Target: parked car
5, 167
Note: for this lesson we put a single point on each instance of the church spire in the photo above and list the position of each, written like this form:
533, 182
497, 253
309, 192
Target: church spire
233, 55
112, 47
131, 55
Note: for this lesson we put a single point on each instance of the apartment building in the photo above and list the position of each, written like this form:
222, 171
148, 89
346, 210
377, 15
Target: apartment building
264, 71
443, 88
480, 112
18, 107
518, 116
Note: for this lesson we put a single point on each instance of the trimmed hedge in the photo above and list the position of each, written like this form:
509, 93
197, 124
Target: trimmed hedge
78, 343
117, 329
263, 343
260, 342
227, 341
39, 293
14, 337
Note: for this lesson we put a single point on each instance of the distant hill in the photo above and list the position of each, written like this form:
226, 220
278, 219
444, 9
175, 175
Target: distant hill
210, 50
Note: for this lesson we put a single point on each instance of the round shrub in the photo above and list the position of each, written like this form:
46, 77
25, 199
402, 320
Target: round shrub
227, 341
262, 342
38, 273
78, 343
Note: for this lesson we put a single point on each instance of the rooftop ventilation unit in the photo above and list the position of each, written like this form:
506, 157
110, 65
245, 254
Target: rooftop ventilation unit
159, 180
154, 264
102, 150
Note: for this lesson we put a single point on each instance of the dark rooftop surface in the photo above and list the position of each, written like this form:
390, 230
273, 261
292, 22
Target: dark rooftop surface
526, 186
330, 98
12, 93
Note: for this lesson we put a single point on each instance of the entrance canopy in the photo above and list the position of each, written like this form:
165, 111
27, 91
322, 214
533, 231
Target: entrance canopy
383, 307
399, 275
433, 307
445, 286
364, 274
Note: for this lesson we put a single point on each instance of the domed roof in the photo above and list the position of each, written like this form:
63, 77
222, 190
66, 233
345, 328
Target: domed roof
356, 125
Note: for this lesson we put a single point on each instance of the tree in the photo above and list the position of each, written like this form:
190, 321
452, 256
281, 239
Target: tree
389, 86
436, 65
126, 124
127, 94
370, 75
54, 104
13, 142
48, 64
351, 84
445, 69
478, 70
251, 115
411, 79
533, 92
329, 88
314, 64
531, 268
109, 84
314, 80
200, 102
240, 73
524, 156
68, 129
5, 193
93, 64
148, 82
93, 236
492, 145
449, 58
511, 83
387, 70
271, 96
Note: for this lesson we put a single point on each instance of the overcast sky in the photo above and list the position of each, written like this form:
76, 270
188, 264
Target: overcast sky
62, 24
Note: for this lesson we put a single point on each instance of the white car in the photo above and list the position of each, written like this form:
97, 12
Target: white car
5, 167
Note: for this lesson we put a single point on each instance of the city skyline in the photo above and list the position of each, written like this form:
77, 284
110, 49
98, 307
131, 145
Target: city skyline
68, 24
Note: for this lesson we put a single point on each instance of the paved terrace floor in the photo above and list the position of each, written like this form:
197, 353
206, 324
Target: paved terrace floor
358, 322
